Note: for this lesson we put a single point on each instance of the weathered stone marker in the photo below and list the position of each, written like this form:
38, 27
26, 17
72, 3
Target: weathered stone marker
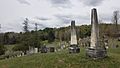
95, 50
35, 50
44, 49
73, 34
52, 49
73, 43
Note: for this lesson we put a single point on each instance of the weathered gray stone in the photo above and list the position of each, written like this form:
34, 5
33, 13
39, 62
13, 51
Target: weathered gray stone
44, 49
31, 50
52, 49
22, 54
73, 48
35, 50
95, 51
73, 34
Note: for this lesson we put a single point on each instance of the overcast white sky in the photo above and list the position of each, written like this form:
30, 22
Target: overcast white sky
53, 13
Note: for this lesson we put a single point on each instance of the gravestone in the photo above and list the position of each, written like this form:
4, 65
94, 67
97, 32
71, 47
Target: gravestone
31, 50
95, 51
44, 49
52, 49
73, 48
35, 50
23, 54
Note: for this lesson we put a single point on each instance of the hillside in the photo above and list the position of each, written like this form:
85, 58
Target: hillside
63, 60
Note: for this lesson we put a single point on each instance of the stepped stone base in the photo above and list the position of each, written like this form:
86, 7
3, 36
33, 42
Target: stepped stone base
96, 53
74, 49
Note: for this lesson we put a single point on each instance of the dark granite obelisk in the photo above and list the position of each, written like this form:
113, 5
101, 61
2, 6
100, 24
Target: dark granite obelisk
95, 50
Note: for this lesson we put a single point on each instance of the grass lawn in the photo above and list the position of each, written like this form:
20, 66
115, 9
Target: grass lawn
63, 59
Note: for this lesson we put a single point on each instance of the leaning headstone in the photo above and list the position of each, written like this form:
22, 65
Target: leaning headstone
73, 48
95, 51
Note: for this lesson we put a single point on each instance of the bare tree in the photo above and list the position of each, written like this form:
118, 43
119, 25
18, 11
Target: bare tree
36, 30
0, 36
0, 28
25, 27
36, 27
115, 21
116, 17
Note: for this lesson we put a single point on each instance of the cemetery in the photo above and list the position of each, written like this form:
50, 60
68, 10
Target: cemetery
92, 51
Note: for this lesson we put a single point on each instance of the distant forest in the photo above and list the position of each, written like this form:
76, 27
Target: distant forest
52, 34
35, 38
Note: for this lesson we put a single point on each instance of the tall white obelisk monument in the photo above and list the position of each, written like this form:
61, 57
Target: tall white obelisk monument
73, 34
95, 50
